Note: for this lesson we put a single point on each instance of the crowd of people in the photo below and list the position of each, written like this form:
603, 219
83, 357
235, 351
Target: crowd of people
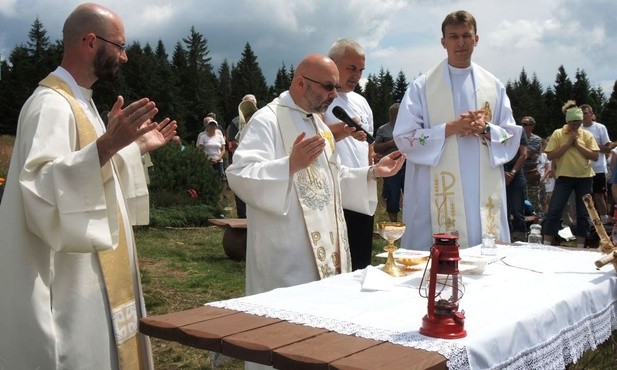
305, 180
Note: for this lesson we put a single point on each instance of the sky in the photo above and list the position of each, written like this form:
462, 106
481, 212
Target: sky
397, 35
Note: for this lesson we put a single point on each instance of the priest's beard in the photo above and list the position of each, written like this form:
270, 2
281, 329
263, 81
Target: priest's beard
106, 67
315, 101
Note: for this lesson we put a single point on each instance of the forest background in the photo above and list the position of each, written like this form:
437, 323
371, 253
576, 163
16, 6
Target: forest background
186, 86
192, 269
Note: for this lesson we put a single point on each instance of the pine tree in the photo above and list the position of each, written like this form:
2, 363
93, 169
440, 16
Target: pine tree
247, 77
400, 87
228, 105
609, 115
282, 81
198, 83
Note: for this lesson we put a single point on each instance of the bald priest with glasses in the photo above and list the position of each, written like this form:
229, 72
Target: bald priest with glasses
287, 171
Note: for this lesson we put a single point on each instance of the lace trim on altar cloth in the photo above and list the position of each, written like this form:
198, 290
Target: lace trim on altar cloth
556, 353
569, 345
455, 353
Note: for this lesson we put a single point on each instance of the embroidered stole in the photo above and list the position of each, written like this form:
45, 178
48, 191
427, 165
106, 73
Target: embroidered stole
115, 263
319, 195
447, 198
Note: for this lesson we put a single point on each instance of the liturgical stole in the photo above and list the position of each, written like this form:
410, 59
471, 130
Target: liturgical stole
318, 193
115, 263
447, 201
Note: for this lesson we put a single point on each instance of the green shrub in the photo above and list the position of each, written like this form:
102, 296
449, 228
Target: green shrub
182, 216
184, 188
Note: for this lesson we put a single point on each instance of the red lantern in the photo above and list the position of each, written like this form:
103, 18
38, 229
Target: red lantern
445, 290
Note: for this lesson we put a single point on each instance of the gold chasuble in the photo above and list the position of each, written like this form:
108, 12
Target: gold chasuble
318, 191
115, 263
447, 203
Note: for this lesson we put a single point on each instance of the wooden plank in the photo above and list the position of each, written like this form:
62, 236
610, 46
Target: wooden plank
168, 326
257, 345
234, 223
282, 344
208, 334
388, 356
318, 352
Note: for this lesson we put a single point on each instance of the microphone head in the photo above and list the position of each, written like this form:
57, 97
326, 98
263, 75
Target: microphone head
339, 112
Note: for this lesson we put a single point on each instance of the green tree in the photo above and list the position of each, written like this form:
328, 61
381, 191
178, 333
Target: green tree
379, 93
527, 99
29, 64
247, 77
282, 81
609, 113
198, 83
581, 90
228, 106
564, 91
400, 87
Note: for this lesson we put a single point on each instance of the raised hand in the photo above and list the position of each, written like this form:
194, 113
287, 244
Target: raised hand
154, 139
132, 123
390, 164
305, 151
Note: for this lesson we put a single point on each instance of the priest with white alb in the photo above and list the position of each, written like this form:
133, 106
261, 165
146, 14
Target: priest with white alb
287, 171
455, 127
71, 295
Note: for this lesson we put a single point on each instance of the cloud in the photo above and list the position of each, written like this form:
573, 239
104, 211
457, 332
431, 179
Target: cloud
396, 34
8, 8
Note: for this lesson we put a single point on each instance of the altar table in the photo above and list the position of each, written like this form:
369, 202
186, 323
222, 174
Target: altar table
534, 307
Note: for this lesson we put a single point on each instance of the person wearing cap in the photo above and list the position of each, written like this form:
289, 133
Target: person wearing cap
205, 122
212, 142
572, 149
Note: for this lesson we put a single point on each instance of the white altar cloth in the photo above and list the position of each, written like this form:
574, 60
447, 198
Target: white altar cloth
536, 307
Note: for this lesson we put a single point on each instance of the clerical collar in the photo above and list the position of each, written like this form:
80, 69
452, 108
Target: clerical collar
458, 71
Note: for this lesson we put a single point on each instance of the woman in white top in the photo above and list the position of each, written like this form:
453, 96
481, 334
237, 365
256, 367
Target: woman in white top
212, 143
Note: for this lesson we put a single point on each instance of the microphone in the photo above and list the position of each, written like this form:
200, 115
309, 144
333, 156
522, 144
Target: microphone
343, 116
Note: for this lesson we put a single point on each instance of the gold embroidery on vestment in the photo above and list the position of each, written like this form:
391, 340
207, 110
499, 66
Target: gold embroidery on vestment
315, 237
444, 200
488, 112
491, 224
321, 254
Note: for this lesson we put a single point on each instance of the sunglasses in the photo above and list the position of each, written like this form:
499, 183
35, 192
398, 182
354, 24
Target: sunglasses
327, 87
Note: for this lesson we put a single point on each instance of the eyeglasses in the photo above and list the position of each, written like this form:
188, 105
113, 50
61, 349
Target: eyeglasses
327, 87
122, 47
527, 124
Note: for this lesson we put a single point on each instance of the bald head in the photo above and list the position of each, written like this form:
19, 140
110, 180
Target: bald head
94, 41
314, 82
89, 18
314, 62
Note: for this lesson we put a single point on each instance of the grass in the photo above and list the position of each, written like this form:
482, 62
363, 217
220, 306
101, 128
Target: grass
185, 268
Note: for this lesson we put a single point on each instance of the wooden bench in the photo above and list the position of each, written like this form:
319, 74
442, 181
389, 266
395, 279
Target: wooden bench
234, 237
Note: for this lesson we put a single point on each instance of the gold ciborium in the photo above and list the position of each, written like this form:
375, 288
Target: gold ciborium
391, 231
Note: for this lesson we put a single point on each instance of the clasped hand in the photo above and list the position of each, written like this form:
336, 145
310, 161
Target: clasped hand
470, 123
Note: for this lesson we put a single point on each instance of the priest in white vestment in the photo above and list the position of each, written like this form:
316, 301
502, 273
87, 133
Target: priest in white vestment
287, 171
455, 127
71, 295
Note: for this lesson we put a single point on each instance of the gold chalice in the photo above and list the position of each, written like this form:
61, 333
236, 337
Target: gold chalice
391, 231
